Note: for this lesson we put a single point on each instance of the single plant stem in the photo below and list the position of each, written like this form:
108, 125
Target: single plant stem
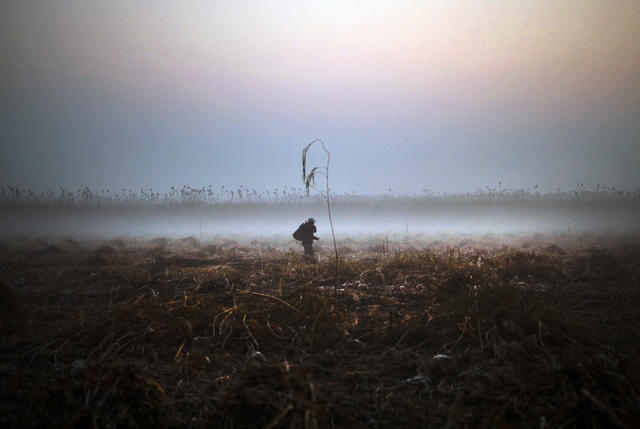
333, 234
309, 180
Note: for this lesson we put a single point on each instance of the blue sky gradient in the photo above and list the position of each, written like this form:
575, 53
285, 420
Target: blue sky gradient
447, 96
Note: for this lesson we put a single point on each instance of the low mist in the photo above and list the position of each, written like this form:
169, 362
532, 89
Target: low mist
360, 216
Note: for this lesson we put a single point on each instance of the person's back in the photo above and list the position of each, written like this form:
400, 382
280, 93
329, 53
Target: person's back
305, 231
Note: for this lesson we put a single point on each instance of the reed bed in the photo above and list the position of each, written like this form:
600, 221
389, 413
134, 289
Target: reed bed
207, 196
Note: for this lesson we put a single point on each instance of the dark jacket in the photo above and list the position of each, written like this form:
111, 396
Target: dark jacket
305, 232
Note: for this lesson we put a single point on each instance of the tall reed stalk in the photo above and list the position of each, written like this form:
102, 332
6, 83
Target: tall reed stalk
309, 181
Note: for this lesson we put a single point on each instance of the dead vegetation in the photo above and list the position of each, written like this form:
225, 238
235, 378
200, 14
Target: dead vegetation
229, 334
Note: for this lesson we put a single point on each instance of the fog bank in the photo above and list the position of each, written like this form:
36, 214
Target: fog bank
371, 217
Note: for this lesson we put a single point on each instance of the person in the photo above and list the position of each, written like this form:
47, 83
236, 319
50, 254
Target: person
305, 233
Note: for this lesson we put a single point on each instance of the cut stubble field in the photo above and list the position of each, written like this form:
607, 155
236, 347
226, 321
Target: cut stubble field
480, 331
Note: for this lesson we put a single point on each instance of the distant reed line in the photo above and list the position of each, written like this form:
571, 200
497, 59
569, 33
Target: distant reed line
188, 196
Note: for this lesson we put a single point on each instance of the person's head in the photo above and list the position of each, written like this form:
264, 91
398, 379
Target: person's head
311, 220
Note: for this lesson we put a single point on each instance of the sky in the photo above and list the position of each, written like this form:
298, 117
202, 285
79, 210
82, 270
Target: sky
440, 95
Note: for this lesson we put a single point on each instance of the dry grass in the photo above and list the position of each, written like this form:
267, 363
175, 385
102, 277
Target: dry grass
227, 334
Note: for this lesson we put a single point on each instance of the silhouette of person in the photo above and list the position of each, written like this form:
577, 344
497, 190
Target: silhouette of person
305, 233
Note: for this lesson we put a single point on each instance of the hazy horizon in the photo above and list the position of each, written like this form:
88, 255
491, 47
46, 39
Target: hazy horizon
408, 216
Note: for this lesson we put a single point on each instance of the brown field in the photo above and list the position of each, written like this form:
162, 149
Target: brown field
426, 331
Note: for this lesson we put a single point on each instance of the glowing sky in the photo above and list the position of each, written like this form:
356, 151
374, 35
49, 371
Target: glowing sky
411, 95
